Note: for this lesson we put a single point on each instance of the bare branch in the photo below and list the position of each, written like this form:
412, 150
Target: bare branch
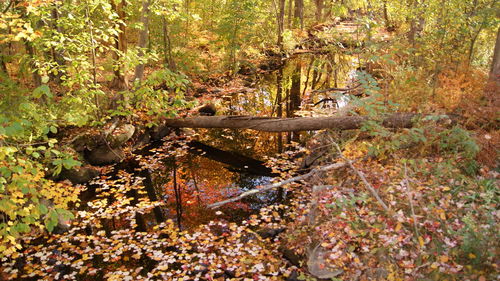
278, 184
363, 178
405, 183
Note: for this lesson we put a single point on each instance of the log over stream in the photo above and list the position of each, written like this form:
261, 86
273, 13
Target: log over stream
272, 124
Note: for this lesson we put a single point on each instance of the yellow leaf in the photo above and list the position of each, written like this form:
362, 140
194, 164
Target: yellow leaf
443, 258
421, 241
442, 216
472, 256
398, 227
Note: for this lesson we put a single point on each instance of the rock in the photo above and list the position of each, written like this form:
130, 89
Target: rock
315, 265
376, 274
207, 110
81, 142
104, 155
78, 175
270, 232
127, 130
291, 256
294, 276
143, 138
160, 132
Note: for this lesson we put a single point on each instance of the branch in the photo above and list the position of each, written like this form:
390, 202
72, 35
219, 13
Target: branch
363, 178
278, 184
405, 183
336, 89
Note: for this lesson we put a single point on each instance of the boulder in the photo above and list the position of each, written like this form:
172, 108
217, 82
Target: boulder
79, 175
104, 155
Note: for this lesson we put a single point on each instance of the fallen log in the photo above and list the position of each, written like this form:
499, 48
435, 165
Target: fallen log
274, 124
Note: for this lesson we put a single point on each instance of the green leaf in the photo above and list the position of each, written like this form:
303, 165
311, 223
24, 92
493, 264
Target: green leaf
51, 220
70, 163
22, 227
43, 209
53, 129
42, 90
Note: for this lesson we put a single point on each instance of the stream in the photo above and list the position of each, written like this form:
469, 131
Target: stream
129, 217
186, 174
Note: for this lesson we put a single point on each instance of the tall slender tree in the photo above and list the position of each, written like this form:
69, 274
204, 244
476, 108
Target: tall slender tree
143, 38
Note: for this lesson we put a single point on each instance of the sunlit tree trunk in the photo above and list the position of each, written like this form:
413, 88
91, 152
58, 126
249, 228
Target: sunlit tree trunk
280, 23
119, 81
143, 38
417, 21
290, 9
279, 103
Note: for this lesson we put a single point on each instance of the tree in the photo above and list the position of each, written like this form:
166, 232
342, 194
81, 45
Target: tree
143, 38
495, 64
120, 81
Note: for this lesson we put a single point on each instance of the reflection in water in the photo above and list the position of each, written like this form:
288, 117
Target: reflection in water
190, 182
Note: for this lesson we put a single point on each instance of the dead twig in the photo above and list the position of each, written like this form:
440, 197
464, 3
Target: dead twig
278, 184
363, 178
405, 183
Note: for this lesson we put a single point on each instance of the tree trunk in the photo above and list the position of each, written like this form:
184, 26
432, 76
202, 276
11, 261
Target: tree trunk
37, 79
417, 22
3, 65
295, 99
295, 89
279, 103
299, 12
290, 9
167, 46
143, 38
319, 10
57, 55
280, 22
387, 21
495, 65
120, 81
273, 124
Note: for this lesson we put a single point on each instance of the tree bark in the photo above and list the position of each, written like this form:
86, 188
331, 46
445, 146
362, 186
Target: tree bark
37, 79
120, 81
495, 65
281, 23
57, 54
273, 124
290, 9
319, 10
167, 46
299, 12
143, 38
